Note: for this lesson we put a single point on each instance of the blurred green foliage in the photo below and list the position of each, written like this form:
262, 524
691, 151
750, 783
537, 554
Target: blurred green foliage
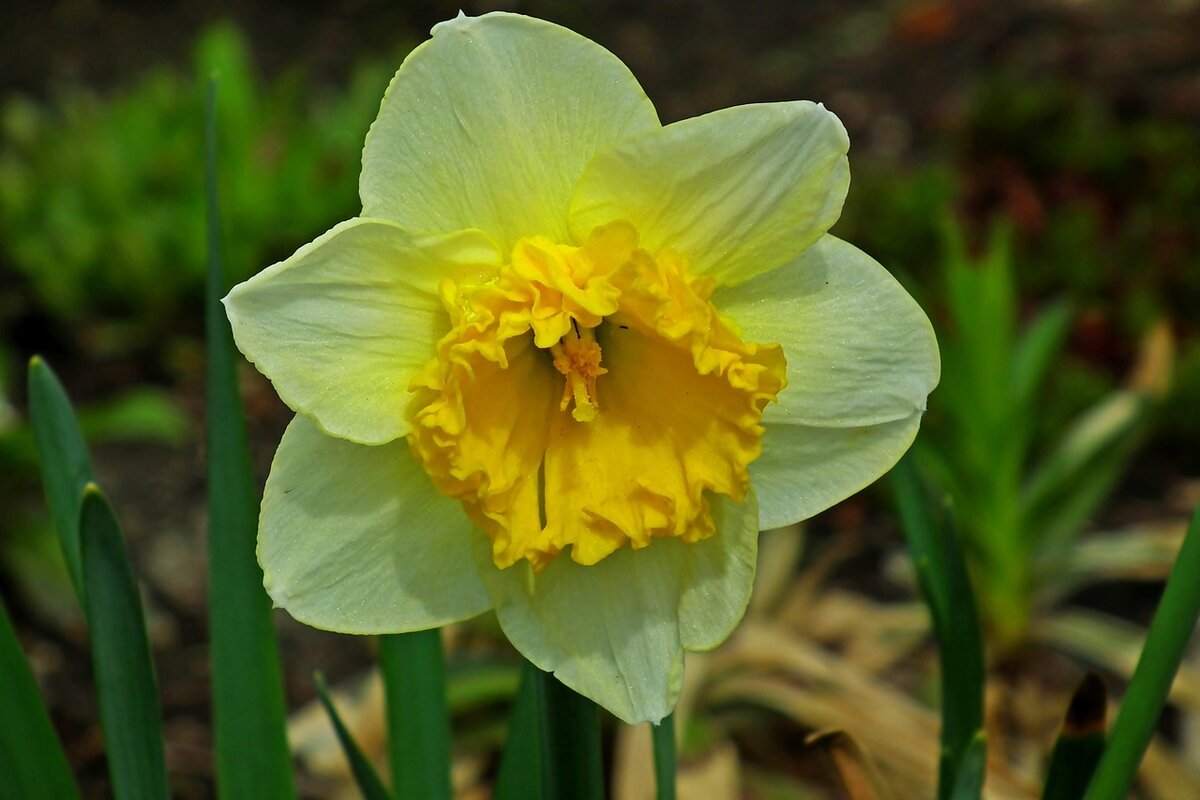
1024, 493
102, 197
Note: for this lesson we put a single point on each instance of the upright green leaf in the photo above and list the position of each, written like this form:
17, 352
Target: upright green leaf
364, 774
63, 454
418, 721
963, 670
1080, 742
1173, 624
664, 757
1078, 474
569, 738
1037, 350
520, 773
946, 586
924, 547
125, 686
31, 758
248, 708
972, 770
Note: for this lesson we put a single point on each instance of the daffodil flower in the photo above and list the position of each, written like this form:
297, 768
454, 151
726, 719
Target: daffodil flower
569, 361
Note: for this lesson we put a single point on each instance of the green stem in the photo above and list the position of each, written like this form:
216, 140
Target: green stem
569, 732
664, 757
418, 720
1165, 644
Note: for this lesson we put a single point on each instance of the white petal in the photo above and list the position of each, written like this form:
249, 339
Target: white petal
615, 631
489, 125
859, 349
356, 539
805, 470
737, 192
343, 325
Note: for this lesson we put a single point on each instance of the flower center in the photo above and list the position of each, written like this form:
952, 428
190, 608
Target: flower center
577, 356
549, 450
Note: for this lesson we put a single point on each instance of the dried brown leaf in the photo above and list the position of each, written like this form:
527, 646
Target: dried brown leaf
859, 778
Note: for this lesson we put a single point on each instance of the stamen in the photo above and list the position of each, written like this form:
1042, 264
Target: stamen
577, 357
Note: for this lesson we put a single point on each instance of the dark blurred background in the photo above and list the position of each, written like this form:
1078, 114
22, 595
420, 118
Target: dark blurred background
1057, 141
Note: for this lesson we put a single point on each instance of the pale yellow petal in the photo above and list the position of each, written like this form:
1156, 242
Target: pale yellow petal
737, 192
356, 539
859, 349
344, 325
804, 470
615, 631
490, 123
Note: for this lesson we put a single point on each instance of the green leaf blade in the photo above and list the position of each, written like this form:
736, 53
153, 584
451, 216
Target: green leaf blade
63, 455
253, 760
918, 524
31, 757
126, 689
1037, 351
365, 777
569, 736
942, 573
1080, 742
972, 770
1173, 625
520, 774
419, 733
